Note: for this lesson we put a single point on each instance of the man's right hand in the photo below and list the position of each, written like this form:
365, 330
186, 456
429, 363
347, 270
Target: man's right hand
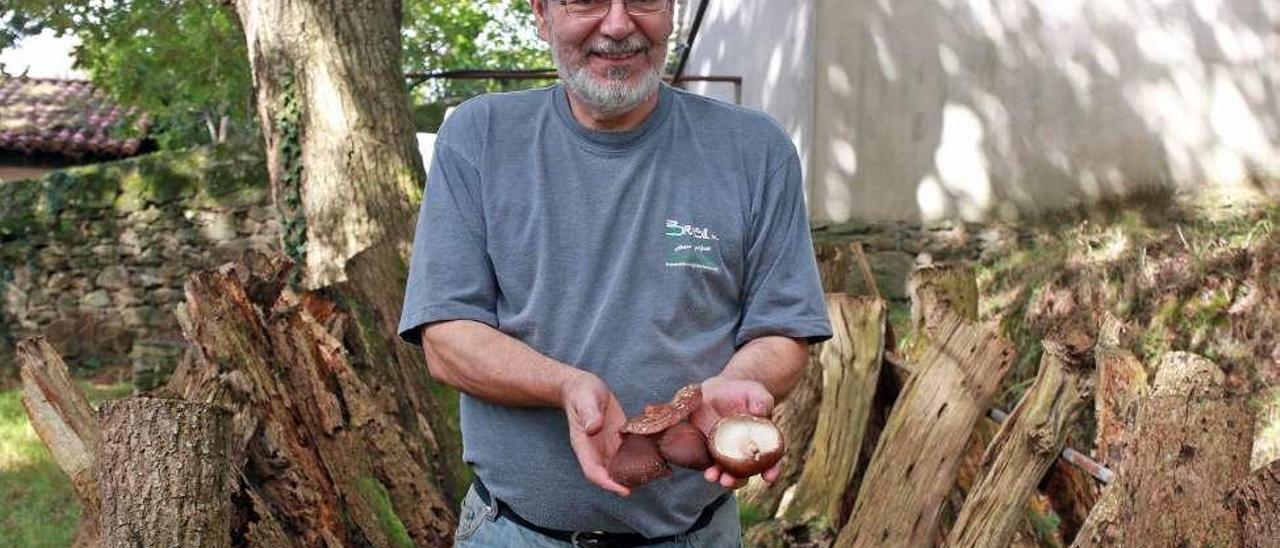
595, 420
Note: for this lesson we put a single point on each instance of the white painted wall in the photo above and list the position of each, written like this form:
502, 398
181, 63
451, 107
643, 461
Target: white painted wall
981, 109
769, 44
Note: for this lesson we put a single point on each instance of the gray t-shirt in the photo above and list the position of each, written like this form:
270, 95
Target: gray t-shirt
645, 256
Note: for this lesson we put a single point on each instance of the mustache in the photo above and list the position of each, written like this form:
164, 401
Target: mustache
630, 44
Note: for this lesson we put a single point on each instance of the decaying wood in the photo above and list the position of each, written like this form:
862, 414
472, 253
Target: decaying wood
1027, 444
163, 474
1121, 386
1072, 493
329, 453
796, 416
64, 421
916, 460
851, 363
1257, 505
1190, 446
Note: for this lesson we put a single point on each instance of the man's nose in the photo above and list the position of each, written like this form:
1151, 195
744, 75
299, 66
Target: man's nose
617, 23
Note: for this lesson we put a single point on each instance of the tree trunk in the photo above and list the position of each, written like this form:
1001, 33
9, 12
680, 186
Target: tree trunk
64, 420
851, 364
163, 474
346, 176
1190, 446
1027, 444
1257, 505
344, 167
329, 454
916, 460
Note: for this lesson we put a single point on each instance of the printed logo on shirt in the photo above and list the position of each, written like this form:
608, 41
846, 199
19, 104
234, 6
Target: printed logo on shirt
690, 246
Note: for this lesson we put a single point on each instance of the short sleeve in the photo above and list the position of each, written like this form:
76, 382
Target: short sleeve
450, 274
783, 294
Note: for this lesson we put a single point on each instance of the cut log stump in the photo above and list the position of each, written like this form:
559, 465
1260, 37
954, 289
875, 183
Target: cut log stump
1189, 446
163, 474
64, 421
1027, 444
1257, 505
915, 463
851, 364
1121, 386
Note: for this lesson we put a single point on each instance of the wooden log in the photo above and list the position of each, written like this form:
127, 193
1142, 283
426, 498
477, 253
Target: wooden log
331, 452
164, 474
1190, 446
1257, 505
851, 363
916, 460
796, 416
1121, 386
1027, 444
64, 421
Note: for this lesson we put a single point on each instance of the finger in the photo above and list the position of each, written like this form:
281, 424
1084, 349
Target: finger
600, 476
712, 474
730, 482
771, 475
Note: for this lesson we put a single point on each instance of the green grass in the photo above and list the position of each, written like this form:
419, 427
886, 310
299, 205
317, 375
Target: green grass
38, 508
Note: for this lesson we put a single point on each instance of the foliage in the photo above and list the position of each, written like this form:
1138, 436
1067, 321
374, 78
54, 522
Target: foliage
184, 61
469, 34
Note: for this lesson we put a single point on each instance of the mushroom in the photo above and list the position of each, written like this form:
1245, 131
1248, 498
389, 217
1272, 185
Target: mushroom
637, 461
662, 416
684, 445
745, 445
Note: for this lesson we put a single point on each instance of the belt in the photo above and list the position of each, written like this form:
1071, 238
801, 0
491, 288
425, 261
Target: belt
596, 539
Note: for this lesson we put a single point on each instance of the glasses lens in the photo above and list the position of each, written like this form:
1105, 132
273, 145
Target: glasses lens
587, 8
646, 7
598, 8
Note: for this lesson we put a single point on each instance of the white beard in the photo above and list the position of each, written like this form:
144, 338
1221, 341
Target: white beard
615, 95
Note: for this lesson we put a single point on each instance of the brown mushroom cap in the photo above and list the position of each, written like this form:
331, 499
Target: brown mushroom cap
684, 445
746, 445
637, 462
659, 417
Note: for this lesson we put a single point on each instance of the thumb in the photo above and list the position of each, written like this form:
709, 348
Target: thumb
588, 413
760, 402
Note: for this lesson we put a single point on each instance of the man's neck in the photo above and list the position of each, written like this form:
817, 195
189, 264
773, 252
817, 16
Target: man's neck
595, 120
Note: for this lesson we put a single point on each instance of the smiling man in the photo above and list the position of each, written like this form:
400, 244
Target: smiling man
588, 248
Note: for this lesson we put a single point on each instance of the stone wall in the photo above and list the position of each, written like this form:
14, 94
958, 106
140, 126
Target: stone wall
95, 257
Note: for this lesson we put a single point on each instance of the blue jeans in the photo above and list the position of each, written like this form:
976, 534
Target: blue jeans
480, 527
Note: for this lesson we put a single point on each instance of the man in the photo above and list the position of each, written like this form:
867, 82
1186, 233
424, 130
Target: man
589, 248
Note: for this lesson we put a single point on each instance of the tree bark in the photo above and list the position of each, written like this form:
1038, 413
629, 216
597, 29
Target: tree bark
851, 364
331, 101
163, 474
1027, 444
1190, 446
329, 452
1257, 505
64, 421
906, 484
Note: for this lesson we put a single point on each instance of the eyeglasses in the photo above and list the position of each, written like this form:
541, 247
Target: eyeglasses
596, 9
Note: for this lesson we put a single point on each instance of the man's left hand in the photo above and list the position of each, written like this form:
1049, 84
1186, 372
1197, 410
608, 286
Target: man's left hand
722, 397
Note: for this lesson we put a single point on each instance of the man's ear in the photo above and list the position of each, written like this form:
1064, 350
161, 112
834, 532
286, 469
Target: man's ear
540, 15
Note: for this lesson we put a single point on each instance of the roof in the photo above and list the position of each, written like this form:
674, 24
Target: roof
64, 117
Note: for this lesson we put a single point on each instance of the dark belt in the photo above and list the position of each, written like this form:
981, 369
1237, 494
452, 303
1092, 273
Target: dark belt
596, 539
